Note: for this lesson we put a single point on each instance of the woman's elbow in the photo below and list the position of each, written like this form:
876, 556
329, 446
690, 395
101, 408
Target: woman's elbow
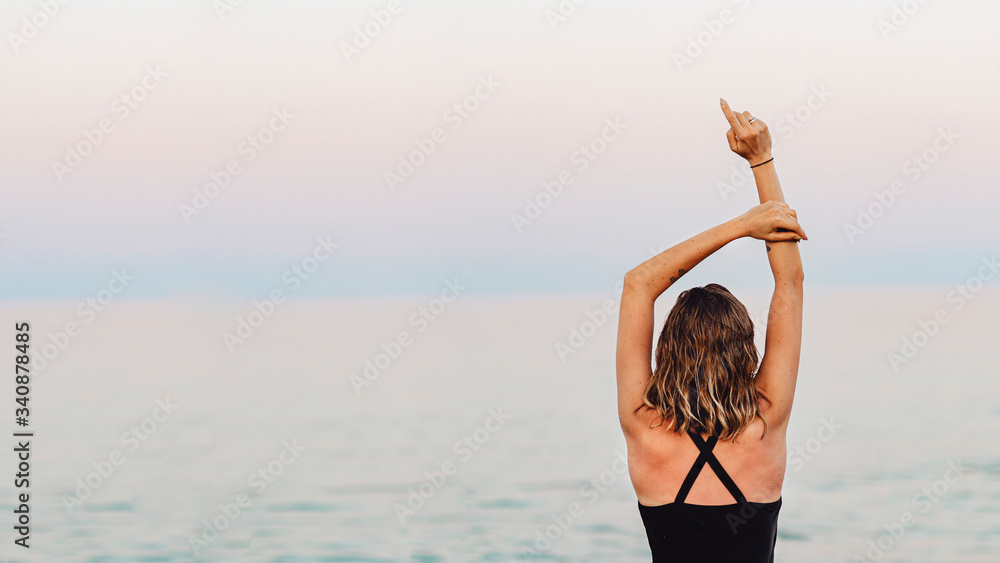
790, 280
634, 281
798, 276
792, 274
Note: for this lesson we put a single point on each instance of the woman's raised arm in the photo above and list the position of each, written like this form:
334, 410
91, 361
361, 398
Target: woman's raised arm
750, 138
644, 283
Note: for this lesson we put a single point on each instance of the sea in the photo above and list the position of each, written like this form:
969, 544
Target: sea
457, 427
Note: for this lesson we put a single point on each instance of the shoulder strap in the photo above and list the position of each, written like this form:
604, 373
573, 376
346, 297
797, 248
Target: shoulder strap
706, 455
692, 476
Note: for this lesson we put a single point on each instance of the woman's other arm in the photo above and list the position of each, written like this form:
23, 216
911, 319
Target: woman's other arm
647, 281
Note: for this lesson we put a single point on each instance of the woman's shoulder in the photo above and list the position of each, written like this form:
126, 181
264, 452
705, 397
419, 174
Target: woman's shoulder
648, 426
660, 457
643, 422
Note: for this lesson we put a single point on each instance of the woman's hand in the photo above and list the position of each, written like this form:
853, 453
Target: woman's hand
772, 221
752, 141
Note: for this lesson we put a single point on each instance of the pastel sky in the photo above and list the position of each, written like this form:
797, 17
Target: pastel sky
851, 103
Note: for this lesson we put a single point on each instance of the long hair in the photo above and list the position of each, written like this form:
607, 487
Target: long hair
706, 361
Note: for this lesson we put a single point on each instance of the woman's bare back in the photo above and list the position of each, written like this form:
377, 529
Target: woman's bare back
659, 460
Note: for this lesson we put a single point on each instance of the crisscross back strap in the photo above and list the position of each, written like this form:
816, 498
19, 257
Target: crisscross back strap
706, 455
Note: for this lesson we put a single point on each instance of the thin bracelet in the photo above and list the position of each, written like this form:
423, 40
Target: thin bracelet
763, 163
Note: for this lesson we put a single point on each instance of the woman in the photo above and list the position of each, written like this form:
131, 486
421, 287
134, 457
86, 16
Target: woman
706, 402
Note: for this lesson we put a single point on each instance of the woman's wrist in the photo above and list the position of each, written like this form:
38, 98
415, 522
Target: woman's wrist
758, 161
736, 228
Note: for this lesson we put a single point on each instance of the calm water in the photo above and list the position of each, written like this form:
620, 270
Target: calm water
540, 430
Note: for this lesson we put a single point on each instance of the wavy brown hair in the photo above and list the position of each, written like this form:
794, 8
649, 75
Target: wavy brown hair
706, 361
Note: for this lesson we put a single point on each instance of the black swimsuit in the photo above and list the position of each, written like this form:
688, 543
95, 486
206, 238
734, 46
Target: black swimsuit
744, 532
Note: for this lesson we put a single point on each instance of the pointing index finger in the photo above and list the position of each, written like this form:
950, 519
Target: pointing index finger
733, 122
